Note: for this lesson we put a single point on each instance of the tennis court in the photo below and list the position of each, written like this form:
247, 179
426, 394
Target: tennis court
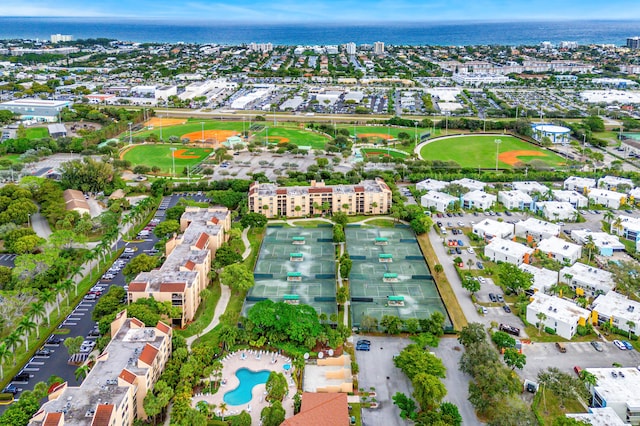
296, 265
389, 275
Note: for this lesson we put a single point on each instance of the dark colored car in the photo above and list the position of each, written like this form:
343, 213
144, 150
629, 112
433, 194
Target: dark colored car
43, 353
10, 389
596, 345
506, 308
21, 378
480, 265
363, 347
54, 340
493, 297
509, 329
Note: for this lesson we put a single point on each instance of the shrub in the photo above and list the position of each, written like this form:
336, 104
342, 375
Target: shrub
549, 330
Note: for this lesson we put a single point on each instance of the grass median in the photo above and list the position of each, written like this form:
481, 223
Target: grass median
444, 287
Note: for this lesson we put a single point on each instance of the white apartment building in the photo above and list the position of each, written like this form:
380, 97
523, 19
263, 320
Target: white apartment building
438, 200
605, 416
543, 279
556, 210
489, 229
515, 200
610, 199
431, 185
613, 182
378, 48
606, 244
619, 310
530, 187
592, 280
619, 393
478, 200
629, 229
579, 184
560, 250
561, 315
499, 250
57, 38
536, 229
576, 199
350, 48
470, 184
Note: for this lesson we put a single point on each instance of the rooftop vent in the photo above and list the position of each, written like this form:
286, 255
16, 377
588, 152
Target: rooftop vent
90, 413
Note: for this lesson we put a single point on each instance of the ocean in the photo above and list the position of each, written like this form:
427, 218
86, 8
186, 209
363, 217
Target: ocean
430, 33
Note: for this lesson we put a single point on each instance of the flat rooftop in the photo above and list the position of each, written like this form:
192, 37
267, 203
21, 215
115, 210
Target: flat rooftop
538, 226
617, 305
618, 389
557, 308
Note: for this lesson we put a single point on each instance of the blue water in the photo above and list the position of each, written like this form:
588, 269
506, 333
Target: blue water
287, 367
248, 379
425, 33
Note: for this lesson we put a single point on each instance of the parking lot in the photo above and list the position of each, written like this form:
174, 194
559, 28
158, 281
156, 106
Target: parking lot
541, 356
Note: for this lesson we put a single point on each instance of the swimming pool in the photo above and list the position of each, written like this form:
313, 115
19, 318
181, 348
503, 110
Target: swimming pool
287, 367
248, 379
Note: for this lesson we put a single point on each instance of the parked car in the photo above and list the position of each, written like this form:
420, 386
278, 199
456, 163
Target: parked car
363, 347
480, 265
500, 298
43, 353
470, 250
87, 346
21, 377
11, 388
54, 340
460, 243
484, 310
129, 250
620, 345
506, 308
482, 280
364, 341
561, 347
627, 345
597, 345
493, 297
578, 370
509, 329
458, 250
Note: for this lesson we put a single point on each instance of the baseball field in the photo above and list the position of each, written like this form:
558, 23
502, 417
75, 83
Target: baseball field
160, 155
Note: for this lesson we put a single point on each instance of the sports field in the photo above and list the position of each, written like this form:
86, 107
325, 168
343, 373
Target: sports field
37, 132
480, 151
160, 155
220, 130
375, 152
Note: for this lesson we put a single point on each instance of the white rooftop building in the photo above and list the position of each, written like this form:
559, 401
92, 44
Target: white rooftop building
629, 228
592, 280
439, 200
431, 185
478, 200
537, 229
575, 183
560, 250
530, 187
605, 416
606, 243
556, 210
612, 182
635, 193
499, 250
561, 315
470, 184
619, 392
576, 199
618, 309
543, 279
489, 229
607, 198
515, 200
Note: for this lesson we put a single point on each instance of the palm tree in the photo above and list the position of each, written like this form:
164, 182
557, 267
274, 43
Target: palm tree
617, 225
89, 257
541, 317
11, 341
81, 372
631, 325
589, 245
37, 311
588, 378
469, 264
608, 216
26, 326
63, 287
223, 409
49, 297
5, 354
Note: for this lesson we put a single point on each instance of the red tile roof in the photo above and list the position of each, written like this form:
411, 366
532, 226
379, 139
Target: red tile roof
127, 376
172, 287
320, 190
281, 191
189, 265
102, 417
202, 241
137, 322
52, 419
359, 189
321, 409
137, 287
163, 327
148, 354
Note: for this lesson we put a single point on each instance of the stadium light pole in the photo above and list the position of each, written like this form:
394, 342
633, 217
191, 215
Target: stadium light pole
497, 142
173, 159
130, 138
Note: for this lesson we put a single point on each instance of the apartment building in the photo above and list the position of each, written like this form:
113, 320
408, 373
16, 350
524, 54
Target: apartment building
561, 315
610, 199
556, 210
478, 200
613, 182
590, 280
530, 187
619, 310
490, 228
113, 392
499, 250
515, 200
536, 229
438, 200
560, 250
606, 244
619, 392
543, 279
367, 197
579, 184
185, 272
575, 198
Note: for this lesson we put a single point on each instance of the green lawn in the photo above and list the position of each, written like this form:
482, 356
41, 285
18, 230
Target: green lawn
37, 133
160, 155
480, 151
375, 152
391, 131
294, 135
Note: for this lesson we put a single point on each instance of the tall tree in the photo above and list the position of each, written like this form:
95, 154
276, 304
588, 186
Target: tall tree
428, 390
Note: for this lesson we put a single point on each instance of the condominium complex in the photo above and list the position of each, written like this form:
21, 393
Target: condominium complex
113, 392
367, 197
185, 272
378, 48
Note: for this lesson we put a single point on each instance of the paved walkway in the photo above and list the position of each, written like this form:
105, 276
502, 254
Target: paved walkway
40, 225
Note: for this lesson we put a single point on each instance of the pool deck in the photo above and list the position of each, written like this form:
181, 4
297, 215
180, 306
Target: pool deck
255, 361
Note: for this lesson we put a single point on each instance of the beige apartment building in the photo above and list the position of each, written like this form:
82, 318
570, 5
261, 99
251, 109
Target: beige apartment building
367, 197
185, 272
113, 392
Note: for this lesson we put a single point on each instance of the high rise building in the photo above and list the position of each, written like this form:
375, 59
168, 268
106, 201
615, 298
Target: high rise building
633, 42
261, 47
57, 38
350, 48
378, 48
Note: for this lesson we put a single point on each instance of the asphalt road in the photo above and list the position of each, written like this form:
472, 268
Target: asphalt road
79, 322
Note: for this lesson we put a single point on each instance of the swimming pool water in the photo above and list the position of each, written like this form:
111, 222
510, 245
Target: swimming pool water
248, 379
287, 367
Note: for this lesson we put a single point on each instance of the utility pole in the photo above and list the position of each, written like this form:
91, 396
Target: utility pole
497, 142
173, 159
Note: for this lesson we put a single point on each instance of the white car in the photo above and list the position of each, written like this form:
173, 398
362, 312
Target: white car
620, 345
482, 280
129, 250
470, 250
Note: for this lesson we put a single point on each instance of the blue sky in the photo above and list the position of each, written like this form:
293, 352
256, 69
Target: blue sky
330, 10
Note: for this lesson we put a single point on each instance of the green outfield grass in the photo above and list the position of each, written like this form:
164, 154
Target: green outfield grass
375, 152
160, 155
190, 127
390, 131
480, 151
294, 135
37, 133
